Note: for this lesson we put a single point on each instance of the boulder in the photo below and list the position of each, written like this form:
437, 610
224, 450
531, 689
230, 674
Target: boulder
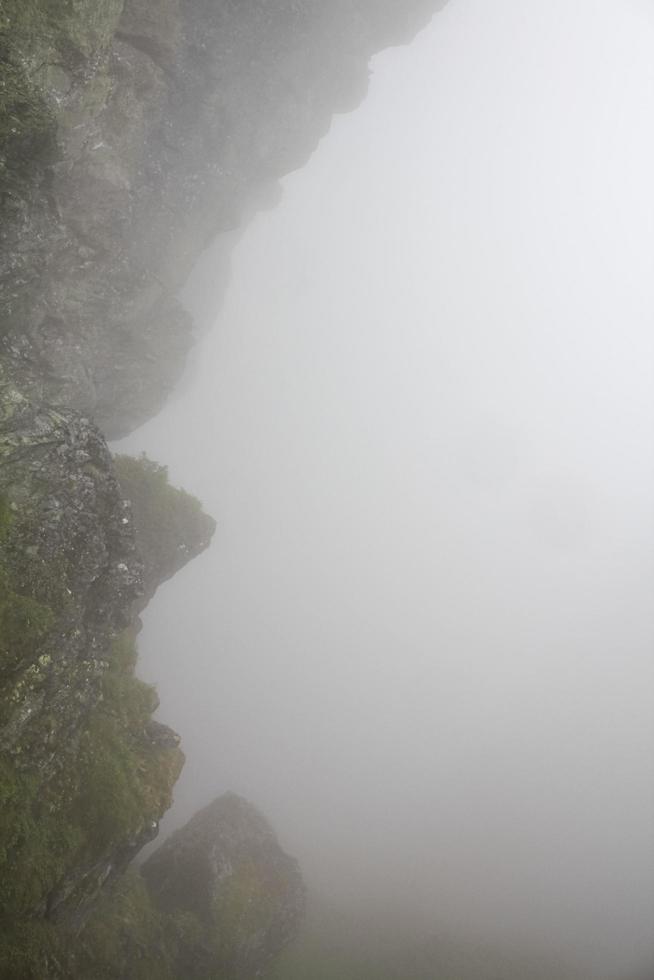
226, 873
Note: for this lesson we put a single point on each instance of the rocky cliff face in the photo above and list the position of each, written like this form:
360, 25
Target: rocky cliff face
220, 899
70, 568
85, 771
157, 507
131, 133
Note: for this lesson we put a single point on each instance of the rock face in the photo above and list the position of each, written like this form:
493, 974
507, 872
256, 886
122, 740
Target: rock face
131, 133
134, 133
156, 505
70, 567
85, 772
226, 870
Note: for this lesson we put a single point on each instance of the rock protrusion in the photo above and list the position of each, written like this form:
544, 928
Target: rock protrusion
171, 527
227, 871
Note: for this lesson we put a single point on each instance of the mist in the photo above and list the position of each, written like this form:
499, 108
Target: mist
422, 639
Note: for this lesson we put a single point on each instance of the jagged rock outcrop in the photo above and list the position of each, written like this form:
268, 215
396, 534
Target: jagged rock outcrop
85, 771
134, 133
226, 872
156, 504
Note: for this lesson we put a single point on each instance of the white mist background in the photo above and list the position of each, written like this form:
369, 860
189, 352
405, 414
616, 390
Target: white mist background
422, 639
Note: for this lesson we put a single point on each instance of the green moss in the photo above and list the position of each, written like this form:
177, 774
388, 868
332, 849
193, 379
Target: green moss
61, 825
132, 938
170, 523
125, 782
127, 938
244, 906
32, 950
119, 782
127, 699
27, 600
5, 517
24, 621
148, 482
37, 840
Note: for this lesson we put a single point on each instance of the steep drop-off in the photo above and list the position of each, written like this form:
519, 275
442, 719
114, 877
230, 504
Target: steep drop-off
131, 133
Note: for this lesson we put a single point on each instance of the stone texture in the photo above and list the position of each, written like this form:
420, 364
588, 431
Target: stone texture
68, 546
85, 773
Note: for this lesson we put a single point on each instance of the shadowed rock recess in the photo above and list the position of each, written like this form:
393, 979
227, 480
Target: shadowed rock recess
132, 132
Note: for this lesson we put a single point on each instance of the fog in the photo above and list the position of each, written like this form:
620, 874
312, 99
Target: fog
422, 639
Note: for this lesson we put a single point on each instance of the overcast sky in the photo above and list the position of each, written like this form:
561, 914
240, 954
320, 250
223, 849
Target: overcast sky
424, 420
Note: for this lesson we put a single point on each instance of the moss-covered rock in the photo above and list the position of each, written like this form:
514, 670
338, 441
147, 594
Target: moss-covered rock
85, 771
234, 898
217, 902
171, 526
64, 837
127, 938
70, 573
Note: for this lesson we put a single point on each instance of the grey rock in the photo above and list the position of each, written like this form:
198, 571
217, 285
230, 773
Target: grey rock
67, 549
226, 869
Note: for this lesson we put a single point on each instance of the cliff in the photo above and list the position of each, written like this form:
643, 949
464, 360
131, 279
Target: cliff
86, 772
132, 132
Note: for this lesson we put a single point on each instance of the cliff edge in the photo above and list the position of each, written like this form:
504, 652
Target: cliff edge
132, 132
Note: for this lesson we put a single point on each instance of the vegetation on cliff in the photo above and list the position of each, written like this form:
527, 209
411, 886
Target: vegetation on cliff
85, 773
155, 505
92, 817
130, 134
218, 901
